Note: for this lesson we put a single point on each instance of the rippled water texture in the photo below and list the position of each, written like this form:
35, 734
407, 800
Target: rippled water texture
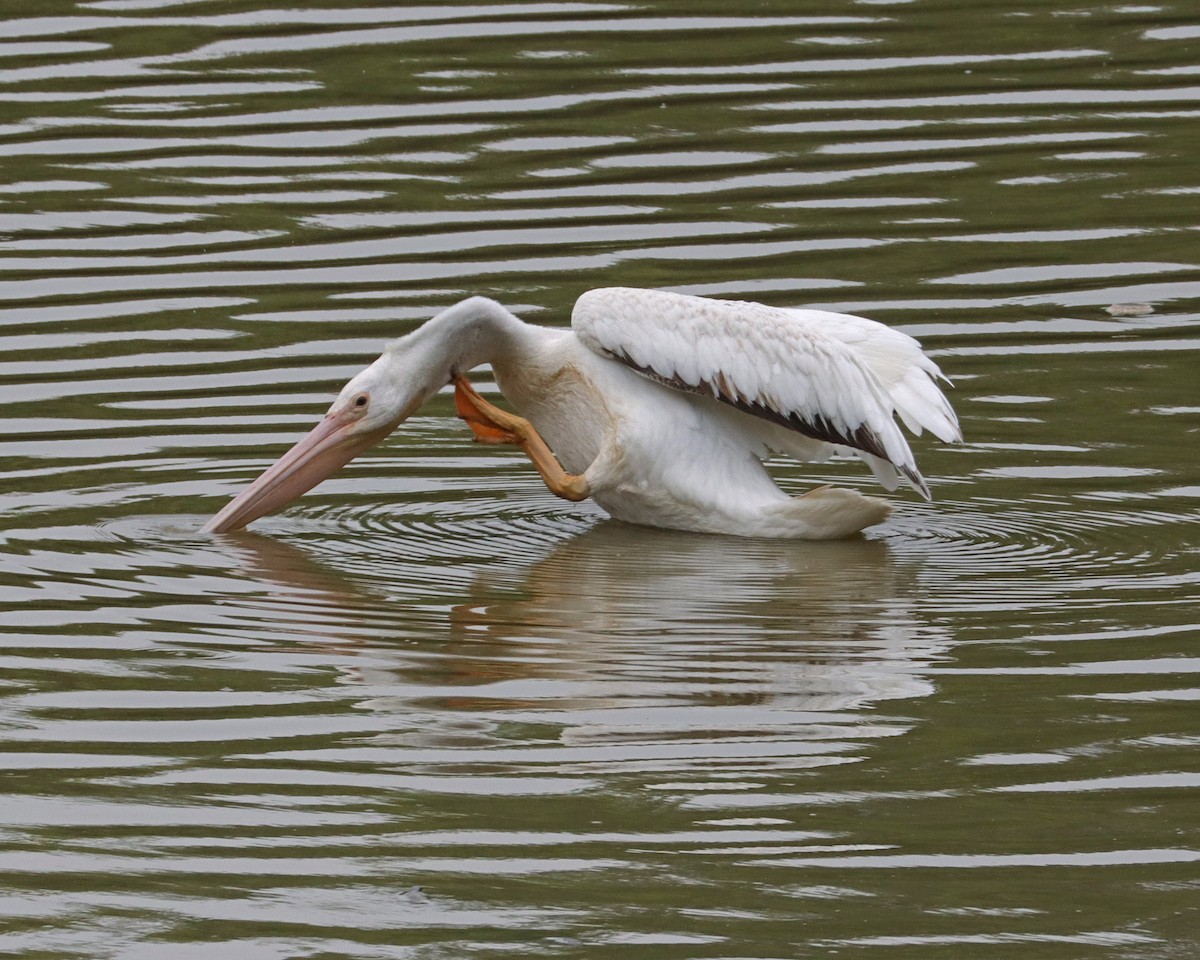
433, 712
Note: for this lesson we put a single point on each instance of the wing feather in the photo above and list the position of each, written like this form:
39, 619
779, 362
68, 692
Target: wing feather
830, 377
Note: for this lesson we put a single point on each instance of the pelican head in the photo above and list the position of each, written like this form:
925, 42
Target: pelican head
367, 410
373, 404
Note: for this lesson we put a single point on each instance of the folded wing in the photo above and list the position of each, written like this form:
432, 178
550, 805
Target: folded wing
831, 377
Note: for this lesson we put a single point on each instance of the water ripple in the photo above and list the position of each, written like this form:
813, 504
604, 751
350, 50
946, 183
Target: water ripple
432, 710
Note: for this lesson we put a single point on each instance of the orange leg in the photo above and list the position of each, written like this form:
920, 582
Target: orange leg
490, 424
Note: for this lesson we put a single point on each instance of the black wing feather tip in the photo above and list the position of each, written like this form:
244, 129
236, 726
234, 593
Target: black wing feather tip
819, 428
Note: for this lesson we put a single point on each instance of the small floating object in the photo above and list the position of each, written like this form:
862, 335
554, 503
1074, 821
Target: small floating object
1129, 310
659, 406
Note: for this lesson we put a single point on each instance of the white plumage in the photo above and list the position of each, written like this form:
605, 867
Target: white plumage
829, 376
660, 406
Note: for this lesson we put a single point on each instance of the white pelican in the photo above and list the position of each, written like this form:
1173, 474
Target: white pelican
659, 406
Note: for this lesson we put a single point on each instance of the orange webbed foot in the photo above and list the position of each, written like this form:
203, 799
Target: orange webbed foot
471, 408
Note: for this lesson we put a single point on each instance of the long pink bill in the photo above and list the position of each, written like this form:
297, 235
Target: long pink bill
330, 445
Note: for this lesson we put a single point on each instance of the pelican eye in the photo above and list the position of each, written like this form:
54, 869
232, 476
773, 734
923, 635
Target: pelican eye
360, 400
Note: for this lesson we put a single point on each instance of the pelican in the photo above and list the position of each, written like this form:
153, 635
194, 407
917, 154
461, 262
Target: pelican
659, 406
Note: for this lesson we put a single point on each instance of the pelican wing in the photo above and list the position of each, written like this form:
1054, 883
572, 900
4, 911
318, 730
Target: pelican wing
831, 377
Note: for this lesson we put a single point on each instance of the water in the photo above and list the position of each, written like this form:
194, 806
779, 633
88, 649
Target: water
431, 711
